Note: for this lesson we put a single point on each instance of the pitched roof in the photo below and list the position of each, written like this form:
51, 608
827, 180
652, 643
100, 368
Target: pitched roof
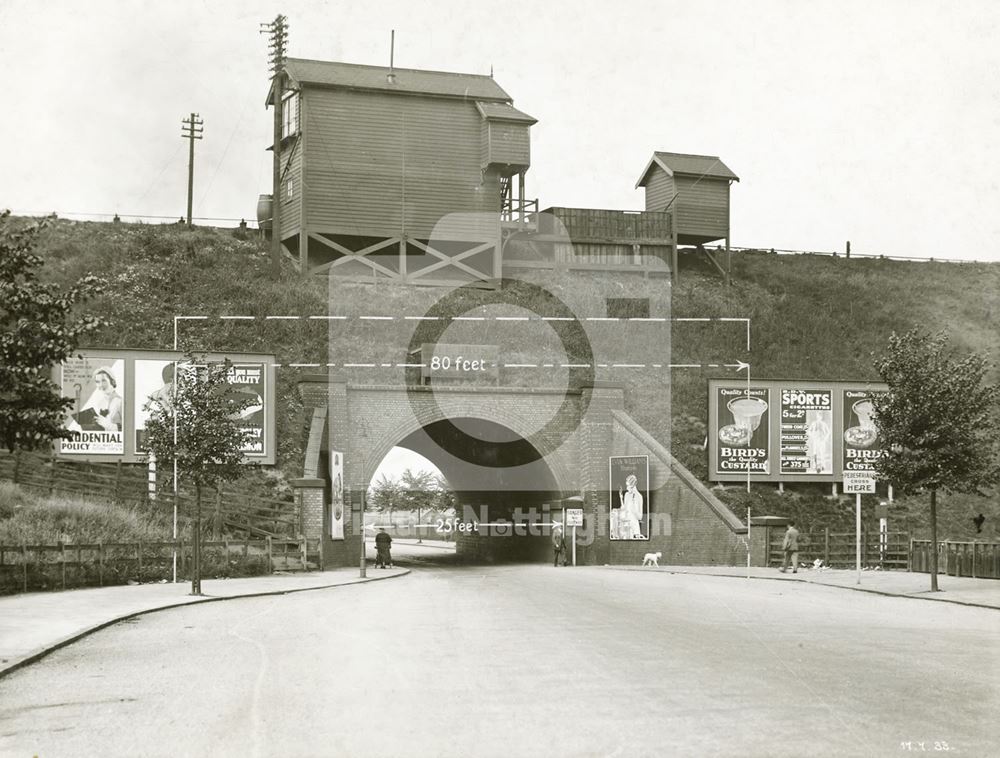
504, 112
688, 164
356, 76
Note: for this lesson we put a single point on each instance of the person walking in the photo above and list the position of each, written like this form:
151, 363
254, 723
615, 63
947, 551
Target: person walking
790, 547
383, 543
558, 546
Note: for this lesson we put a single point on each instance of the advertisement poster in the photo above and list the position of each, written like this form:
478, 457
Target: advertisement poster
96, 387
743, 437
336, 495
154, 386
806, 431
862, 442
629, 497
248, 379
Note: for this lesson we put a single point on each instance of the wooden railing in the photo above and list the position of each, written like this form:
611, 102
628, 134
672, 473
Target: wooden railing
608, 225
973, 559
26, 568
837, 549
519, 210
226, 510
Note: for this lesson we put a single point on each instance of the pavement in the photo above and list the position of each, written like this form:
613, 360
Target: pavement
36, 623
984, 593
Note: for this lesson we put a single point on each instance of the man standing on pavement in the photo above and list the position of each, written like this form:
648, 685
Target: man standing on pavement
558, 546
790, 546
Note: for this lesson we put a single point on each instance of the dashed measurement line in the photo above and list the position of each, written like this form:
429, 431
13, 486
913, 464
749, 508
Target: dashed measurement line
739, 366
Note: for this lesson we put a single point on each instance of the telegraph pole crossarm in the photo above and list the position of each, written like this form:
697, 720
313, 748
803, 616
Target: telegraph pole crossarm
193, 128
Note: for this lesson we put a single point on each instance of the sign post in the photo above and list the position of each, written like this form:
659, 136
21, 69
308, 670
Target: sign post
858, 482
574, 518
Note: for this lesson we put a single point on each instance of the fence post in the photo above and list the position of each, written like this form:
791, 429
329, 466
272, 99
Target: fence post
180, 553
118, 480
270, 563
100, 563
973, 559
24, 565
138, 555
62, 561
826, 546
52, 474
79, 565
17, 464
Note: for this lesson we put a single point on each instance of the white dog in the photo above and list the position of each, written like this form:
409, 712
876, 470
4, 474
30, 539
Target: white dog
652, 559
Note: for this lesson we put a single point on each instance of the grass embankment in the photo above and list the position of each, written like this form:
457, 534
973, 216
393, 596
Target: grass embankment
812, 317
29, 519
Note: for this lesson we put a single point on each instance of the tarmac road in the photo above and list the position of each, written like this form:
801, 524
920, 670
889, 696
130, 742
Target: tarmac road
523, 661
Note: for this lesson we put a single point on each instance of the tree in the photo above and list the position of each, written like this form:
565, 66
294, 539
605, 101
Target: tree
938, 421
418, 490
385, 494
200, 431
37, 331
444, 497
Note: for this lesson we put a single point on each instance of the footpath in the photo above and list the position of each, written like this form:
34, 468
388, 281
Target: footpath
984, 593
36, 623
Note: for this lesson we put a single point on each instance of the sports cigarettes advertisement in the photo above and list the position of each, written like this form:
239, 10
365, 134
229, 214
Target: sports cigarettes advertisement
806, 431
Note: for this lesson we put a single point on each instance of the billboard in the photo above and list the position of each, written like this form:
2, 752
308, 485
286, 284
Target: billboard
336, 495
806, 431
815, 431
114, 391
95, 382
862, 441
629, 497
743, 429
154, 386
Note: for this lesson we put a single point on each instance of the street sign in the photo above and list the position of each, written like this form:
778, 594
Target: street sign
574, 517
858, 483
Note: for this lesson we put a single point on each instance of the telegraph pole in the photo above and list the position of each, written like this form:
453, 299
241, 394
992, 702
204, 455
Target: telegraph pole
193, 129
277, 30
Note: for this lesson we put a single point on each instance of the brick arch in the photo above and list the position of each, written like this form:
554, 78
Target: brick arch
498, 409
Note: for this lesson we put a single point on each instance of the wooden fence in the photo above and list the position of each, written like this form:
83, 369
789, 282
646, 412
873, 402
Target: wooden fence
226, 511
837, 549
974, 559
26, 568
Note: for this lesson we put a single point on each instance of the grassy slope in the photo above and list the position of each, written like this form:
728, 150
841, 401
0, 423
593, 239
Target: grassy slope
812, 317
30, 519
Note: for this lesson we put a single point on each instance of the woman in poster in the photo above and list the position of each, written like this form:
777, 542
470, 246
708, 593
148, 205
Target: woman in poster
630, 513
103, 410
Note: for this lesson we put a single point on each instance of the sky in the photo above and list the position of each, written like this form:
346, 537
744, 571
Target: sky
874, 121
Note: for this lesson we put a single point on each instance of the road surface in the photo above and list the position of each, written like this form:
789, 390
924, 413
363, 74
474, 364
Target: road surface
523, 661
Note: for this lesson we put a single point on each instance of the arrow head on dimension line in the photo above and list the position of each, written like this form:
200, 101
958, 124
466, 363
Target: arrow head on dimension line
739, 365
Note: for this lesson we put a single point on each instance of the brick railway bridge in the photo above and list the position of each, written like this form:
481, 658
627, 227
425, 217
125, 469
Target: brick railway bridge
504, 448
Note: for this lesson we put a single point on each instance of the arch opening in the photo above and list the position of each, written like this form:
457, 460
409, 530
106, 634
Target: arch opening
474, 456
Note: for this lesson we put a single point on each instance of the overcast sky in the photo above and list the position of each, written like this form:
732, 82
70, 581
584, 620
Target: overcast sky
874, 121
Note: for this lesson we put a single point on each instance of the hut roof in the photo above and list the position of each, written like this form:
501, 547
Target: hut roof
504, 112
687, 164
408, 80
